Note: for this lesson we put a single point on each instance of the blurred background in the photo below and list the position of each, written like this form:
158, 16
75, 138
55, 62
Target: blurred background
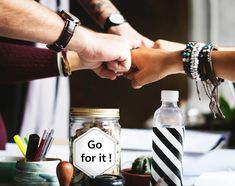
156, 19
179, 21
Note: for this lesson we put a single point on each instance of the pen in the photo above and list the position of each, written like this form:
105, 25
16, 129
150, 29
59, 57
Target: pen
47, 145
20, 144
42, 143
32, 147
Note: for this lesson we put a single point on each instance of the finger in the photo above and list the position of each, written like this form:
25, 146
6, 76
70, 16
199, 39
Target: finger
130, 73
139, 79
124, 64
119, 74
137, 43
136, 87
157, 44
129, 76
105, 73
118, 66
147, 43
113, 65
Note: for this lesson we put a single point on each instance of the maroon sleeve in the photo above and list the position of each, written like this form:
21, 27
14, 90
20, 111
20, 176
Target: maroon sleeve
23, 63
3, 134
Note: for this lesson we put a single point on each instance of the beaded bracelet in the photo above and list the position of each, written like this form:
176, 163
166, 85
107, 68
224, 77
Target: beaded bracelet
186, 54
194, 67
190, 59
210, 81
197, 65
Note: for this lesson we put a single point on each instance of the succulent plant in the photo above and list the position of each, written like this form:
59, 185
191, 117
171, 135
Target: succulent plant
142, 165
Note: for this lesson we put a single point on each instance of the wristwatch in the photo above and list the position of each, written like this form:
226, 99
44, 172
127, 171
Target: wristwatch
70, 24
114, 19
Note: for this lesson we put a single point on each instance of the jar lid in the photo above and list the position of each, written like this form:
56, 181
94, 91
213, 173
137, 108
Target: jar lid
106, 180
94, 112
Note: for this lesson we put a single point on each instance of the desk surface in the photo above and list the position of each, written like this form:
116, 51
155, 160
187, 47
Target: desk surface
195, 164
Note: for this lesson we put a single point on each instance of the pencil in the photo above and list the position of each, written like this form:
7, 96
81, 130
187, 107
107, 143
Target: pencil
20, 144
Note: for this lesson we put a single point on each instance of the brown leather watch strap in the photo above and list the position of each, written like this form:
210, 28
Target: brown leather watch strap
70, 24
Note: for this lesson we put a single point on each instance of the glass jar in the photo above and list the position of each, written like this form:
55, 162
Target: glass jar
106, 180
84, 121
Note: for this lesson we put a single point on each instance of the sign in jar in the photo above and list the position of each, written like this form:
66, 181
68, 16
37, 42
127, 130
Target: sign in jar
94, 143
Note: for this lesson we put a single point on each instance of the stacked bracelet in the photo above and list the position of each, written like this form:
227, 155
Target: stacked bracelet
190, 59
205, 58
197, 64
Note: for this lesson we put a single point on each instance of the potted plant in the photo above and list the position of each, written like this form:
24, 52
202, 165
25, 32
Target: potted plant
139, 173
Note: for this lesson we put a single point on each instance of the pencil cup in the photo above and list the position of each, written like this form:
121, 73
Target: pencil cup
36, 173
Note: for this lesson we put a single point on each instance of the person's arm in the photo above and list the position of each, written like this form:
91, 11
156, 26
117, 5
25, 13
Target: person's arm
20, 63
23, 63
28, 20
154, 64
150, 65
224, 64
100, 10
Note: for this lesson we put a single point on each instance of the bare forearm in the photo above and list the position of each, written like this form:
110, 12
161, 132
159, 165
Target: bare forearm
99, 9
224, 64
28, 20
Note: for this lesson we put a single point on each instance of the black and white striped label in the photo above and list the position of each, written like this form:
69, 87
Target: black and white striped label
167, 153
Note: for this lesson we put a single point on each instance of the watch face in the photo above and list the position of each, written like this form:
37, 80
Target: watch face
116, 18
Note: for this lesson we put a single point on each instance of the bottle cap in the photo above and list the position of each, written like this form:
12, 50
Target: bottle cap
170, 95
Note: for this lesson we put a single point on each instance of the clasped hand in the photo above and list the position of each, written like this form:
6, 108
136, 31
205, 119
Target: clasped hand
111, 56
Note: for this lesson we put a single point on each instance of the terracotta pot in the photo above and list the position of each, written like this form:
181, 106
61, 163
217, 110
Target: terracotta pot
135, 179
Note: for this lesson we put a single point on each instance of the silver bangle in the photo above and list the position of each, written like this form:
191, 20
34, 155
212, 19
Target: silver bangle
194, 67
59, 63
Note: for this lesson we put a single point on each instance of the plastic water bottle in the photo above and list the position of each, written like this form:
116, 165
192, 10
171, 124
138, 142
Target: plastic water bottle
167, 143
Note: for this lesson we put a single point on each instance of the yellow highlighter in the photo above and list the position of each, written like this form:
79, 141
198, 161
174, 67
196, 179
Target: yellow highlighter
20, 144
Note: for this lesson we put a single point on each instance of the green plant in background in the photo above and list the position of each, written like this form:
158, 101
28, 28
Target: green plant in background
142, 165
226, 109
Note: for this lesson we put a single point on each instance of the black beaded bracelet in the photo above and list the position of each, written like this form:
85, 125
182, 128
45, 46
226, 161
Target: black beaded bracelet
186, 54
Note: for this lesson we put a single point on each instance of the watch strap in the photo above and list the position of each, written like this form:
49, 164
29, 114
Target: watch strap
65, 36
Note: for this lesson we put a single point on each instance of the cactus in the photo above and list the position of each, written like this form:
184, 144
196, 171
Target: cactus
142, 165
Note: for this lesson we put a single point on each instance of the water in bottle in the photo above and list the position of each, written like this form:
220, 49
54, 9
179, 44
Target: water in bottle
167, 143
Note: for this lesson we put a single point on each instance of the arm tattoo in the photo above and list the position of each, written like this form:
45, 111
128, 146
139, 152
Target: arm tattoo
97, 7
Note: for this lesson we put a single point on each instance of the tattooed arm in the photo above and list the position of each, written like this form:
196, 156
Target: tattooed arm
100, 10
